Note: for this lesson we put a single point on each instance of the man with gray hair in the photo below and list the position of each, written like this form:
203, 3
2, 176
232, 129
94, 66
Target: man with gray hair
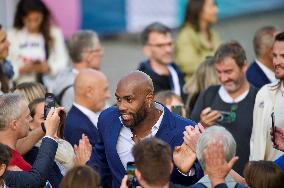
14, 124
85, 51
210, 135
222, 135
261, 70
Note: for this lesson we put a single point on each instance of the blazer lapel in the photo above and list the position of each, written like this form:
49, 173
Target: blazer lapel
114, 134
167, 125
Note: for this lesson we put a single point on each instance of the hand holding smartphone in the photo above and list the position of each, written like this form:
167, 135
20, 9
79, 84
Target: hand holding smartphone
132, 180
49, 103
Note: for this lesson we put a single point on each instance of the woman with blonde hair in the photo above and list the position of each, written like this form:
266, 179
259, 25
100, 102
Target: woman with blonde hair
204, 76
30, 90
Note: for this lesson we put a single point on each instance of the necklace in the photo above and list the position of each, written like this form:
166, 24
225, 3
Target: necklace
137, 138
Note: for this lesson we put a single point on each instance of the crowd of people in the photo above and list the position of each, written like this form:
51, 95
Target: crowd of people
195, 113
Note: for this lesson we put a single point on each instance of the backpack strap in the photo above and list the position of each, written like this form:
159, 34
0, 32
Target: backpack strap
60, 95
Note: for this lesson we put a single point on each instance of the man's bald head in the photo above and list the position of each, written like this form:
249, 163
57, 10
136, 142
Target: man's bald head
87, 77
135, 97
91, 89
137, 80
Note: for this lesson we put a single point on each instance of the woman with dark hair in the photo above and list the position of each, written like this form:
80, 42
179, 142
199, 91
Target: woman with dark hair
196, 39
5, 156
37, 49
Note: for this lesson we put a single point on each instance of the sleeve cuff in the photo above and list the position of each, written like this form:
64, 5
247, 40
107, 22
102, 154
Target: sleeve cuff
190, 173
50, 138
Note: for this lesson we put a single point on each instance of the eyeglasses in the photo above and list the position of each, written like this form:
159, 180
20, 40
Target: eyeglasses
162, 45
96, 51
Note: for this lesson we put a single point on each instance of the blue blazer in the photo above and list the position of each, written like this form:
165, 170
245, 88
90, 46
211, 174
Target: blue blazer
107, 159
76, 124
256, 76
39, 173
54, 172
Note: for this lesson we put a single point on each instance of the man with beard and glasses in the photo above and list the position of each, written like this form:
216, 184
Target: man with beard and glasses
269, 103
135, 117
231, 103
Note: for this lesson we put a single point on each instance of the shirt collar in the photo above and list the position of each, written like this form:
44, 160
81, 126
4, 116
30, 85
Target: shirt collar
269, 73
93, 117
224, 95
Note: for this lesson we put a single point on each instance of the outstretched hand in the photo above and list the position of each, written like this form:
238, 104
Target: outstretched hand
184, 158
217, 167
83, 151
279, 139
191, 135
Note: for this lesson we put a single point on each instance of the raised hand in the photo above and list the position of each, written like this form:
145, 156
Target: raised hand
216, 166
184, 158
83, 151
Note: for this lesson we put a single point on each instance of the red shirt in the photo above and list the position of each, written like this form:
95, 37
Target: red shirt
19, 161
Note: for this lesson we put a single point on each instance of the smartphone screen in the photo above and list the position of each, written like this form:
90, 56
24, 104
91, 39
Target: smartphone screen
132, 181
49, 102
177, 109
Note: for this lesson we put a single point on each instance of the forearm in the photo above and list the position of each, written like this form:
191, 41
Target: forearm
37, 176
25, 144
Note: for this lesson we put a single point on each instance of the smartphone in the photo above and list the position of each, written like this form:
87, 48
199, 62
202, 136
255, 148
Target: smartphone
49, 102
177, 109
224, 117
132, 180
273, 127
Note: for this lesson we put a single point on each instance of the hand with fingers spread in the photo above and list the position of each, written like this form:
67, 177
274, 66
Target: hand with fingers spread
216, 166
191, 135
83, 151
52, 121
184, 158
208, 117
279, 138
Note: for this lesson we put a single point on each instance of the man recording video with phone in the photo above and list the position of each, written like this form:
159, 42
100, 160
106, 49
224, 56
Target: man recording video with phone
231, 103
14, 125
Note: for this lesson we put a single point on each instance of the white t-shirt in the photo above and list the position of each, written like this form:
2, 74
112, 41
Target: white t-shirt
31, 46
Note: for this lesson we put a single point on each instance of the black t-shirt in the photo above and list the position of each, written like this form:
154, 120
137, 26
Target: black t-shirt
240, 126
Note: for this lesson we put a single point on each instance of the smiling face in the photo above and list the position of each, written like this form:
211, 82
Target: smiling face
278, 59
230, 75
133, 98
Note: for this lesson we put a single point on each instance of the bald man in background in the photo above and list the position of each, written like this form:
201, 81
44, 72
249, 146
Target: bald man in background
91, 93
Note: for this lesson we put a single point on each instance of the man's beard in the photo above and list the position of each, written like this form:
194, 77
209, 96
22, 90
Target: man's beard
138, 118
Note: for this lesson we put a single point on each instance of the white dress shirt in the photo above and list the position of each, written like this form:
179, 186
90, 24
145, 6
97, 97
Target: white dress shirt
125, 143
93, 117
